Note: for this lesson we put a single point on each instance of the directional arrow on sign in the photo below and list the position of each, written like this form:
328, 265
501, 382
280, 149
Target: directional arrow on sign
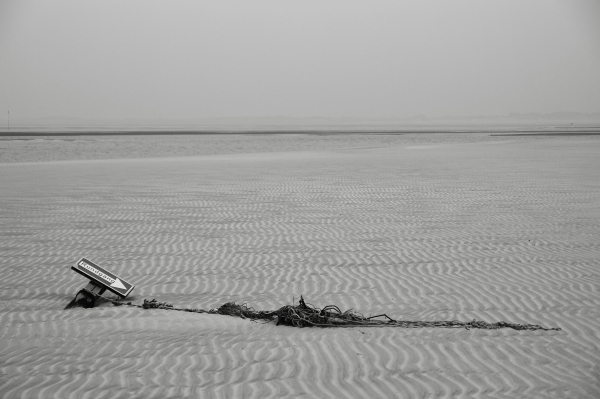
118, 284
102, 276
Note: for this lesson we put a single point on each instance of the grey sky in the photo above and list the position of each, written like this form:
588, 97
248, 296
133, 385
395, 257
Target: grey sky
192, 59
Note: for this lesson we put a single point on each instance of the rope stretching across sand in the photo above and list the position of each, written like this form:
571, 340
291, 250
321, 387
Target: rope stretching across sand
330, 316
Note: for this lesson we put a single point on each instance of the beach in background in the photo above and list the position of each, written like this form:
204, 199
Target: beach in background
420, 226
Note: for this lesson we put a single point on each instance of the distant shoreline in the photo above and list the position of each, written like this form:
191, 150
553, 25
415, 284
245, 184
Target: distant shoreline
579, 132
550, 134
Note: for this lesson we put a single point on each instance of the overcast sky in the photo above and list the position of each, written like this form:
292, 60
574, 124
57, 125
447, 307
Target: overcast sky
193, 59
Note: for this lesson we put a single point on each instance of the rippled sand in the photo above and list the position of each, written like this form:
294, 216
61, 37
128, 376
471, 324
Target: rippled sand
421, 227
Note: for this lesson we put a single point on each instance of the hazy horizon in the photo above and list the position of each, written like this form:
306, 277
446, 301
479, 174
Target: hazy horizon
151, 60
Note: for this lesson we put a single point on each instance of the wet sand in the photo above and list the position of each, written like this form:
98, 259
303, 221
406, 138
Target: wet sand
420, 227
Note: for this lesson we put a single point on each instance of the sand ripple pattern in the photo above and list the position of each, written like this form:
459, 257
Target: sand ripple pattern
492, 231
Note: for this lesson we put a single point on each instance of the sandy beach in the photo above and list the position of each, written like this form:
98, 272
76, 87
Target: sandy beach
417, 226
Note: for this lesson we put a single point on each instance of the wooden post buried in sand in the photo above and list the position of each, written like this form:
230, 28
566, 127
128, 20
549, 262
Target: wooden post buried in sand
86, 297
100, 281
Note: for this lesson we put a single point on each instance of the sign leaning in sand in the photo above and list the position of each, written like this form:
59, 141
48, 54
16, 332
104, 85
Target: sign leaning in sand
109, 280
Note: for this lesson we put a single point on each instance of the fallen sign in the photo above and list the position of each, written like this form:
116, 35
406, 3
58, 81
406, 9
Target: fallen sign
100, 281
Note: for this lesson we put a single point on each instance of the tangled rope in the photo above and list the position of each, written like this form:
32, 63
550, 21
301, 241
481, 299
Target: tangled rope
305, 315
